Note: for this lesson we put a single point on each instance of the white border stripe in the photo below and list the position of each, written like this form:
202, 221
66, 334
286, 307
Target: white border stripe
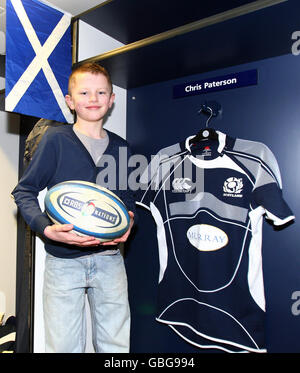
8, 338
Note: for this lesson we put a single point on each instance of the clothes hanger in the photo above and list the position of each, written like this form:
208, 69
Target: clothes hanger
205, 133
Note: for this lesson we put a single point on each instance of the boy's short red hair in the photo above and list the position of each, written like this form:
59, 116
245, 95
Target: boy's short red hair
90, 67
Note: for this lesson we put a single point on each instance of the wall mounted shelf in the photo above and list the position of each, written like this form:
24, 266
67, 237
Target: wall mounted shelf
164, 41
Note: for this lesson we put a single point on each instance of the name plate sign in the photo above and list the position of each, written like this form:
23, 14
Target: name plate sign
230, 81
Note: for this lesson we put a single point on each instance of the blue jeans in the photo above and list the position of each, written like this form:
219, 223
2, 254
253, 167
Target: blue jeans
66, 283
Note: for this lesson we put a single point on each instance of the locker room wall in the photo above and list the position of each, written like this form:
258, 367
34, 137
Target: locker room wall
268, 112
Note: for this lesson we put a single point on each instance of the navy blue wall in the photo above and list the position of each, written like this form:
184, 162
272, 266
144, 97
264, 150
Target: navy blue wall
268, 112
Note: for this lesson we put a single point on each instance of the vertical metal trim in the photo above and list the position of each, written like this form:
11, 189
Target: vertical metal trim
75, 31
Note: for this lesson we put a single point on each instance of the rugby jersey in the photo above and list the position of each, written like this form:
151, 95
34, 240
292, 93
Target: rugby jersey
209, 201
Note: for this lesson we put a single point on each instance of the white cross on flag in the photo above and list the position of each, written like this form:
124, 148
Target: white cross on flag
38, 60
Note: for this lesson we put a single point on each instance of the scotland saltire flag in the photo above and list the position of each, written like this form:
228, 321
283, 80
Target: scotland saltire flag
38, 60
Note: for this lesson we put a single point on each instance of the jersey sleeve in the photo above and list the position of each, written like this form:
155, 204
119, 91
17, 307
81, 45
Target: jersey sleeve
267, 192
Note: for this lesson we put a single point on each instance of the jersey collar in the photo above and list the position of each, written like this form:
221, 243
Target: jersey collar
221, 139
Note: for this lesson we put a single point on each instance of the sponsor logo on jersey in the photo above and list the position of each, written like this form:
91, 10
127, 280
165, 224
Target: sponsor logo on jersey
233, 187
182, 185
206, 151
207, 237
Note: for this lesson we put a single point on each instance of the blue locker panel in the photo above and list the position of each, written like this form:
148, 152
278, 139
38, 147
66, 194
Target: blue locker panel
268, 112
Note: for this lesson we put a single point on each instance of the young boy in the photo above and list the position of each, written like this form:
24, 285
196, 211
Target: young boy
77, 265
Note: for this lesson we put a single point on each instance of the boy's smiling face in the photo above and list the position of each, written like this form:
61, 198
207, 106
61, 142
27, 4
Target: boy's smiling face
90, 96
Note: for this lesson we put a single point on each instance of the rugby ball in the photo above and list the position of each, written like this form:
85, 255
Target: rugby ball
92, 209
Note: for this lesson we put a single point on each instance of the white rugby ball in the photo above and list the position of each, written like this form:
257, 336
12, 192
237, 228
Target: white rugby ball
92, 209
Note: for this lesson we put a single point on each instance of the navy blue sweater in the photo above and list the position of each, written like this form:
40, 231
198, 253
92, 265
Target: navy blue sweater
59, 157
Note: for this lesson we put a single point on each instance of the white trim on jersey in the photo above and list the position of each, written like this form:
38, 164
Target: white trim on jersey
255, 273
277, 221
162, 241
223, 162
173, 324
212, 346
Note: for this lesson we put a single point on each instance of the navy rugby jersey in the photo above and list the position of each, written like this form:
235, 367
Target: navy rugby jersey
208, 201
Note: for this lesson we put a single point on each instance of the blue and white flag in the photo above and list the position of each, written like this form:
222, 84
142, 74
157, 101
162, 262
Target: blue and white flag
38, 60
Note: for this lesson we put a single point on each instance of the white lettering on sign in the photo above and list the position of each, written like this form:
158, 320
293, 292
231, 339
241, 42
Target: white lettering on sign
208, 85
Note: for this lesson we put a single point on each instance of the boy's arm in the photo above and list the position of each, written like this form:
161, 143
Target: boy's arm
35, 179
25, 194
